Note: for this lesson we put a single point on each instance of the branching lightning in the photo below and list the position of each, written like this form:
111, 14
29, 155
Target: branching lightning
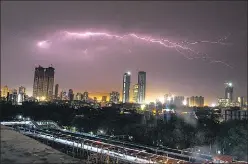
219, 41
183, 47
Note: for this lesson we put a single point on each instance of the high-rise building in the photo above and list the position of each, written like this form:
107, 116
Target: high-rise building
63, 95
14, 97
56, 94
43, 82
142, 87
135, 93
114, 97
104, 98
197, 101
22, 90
79, 96
95, 100
229, 92
187, 101
178, 101
70, 95
4, 91
126, 87
21, 95
85, 96
168, 99
241, 101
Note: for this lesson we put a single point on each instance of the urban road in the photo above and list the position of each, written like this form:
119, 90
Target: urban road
125, 151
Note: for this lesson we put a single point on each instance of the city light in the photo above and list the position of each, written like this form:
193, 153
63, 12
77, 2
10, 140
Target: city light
19, 98
147, 102
43, 98
91, 83
184, 102
19, 117
161, 99
142, 106
169, 98
28, 118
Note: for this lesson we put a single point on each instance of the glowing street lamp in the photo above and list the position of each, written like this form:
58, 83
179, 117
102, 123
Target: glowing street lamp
28, 118
19, 117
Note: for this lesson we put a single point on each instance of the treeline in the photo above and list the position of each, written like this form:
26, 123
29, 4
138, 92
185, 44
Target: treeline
179, 132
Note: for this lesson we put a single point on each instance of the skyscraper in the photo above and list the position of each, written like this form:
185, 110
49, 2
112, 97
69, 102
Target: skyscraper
104, 98
85, 96
126, 87
43, 82
49, 80
168, 99
95, 100
4, 91
63, 95
142, 87
114, 97
197, 101
22, 90
21, 95
70, 94
135, 93
178, 101
241, 101
14, 97
229, 91
79, 96
56, 91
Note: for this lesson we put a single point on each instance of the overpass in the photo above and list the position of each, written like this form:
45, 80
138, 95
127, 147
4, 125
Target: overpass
31, 124
48, 124
114, 151
125, 151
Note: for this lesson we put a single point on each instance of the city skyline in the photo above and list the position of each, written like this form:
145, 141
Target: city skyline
177, 99
127, 76
100, 68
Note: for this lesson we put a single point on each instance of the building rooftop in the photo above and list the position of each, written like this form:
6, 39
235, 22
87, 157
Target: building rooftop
18, 148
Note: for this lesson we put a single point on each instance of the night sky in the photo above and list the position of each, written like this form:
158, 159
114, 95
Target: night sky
97, 63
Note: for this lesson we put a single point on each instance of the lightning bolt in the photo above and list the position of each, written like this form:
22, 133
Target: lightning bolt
219, 41
183, 48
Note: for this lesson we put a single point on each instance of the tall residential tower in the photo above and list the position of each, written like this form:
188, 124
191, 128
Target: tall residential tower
56, 94
229, 92
135, 93
142, 87
114, 97
126, 87
43, 82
